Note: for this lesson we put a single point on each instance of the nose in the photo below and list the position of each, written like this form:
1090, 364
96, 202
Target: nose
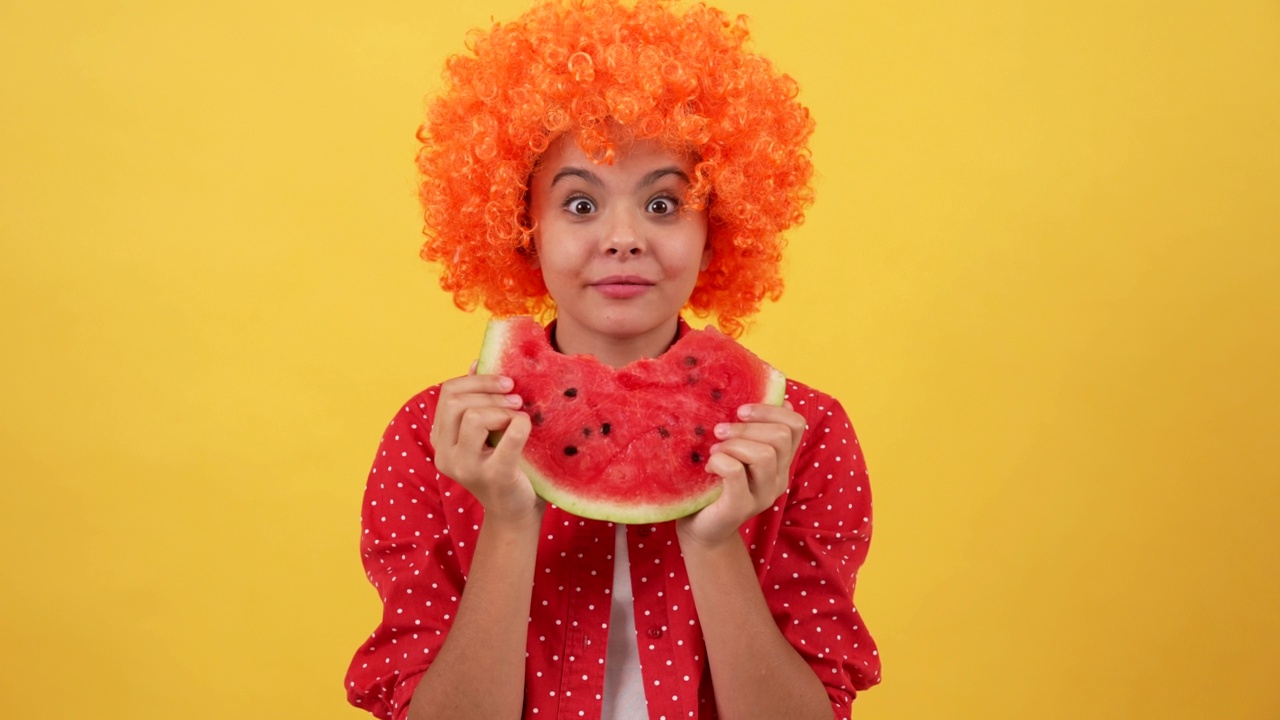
624, 235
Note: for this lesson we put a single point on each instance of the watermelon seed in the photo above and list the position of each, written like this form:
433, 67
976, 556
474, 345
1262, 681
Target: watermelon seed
537, 418
570, 450
691, 379
698, 431
586, 432
690, 361
696, 457
665, 433
571, 392
605, 428
716, 394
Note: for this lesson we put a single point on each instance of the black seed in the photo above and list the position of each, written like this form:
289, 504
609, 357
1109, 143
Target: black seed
571, 392
665, 433
690, 361
698, 431
586, 432
695, 457
605, 428
716, 394
570, 450
537, 418
691, 379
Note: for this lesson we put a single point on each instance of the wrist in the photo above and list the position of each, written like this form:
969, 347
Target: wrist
518, 525
693, 542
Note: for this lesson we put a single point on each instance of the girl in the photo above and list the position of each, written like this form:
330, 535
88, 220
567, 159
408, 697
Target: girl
613, 166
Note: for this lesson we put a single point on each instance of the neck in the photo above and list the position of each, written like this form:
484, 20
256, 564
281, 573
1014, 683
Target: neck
614, 351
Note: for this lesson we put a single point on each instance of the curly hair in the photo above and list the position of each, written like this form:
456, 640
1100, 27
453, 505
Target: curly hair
602, 70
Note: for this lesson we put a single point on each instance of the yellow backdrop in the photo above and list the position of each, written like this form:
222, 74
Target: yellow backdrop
1041, 274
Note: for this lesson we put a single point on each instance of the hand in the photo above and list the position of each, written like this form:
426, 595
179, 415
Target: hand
754, 459
470, 409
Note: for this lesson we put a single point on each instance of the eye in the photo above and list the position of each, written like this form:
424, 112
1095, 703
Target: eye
663, 205
580, 206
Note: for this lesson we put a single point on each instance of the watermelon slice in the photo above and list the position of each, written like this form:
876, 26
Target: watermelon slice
628, 445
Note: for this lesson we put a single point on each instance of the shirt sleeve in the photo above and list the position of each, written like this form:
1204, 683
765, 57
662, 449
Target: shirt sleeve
408, 556
821, 544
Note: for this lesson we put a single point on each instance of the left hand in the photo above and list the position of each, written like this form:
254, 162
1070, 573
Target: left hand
754, 459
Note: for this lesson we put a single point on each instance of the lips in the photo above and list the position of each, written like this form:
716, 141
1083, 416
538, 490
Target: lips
622, 286
623, 280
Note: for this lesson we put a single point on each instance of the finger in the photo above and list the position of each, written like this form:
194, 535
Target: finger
446, 431
477, 424
507, 453
473, 383
757, 412
761, 461
455, 402
725, 466
760, 412
735, 499
458, 404
474, 364
456, 455
775, 435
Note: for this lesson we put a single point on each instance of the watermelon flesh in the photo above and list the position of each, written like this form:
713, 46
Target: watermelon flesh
630, 444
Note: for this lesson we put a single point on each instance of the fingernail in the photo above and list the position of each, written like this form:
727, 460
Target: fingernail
506, 383
744, 412
722, 430
514, 400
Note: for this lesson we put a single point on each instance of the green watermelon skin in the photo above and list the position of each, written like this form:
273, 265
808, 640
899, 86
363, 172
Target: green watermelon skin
628, 445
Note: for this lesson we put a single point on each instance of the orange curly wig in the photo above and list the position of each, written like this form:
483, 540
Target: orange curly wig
601, 70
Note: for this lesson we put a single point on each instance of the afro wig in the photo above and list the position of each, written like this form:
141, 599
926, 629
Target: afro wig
599, 69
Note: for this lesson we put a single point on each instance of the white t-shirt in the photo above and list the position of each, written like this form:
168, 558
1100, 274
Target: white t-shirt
623, 686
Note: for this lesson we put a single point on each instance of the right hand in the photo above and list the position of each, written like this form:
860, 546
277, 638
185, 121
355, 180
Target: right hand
470, 408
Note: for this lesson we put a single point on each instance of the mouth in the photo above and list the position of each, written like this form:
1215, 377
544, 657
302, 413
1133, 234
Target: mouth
622, 280
622, 286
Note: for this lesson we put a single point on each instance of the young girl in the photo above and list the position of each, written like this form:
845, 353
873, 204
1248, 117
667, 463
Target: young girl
614, 166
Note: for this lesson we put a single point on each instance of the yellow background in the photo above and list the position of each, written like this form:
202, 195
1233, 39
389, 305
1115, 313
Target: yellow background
1041, 274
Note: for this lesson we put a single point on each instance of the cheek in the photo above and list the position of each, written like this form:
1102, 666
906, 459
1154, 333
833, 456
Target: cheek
699, 246
555, 262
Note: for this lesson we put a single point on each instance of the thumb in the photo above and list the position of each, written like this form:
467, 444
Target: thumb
736, 491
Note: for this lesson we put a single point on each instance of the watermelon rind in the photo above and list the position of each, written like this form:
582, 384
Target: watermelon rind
775, 391
631, 513
496, 337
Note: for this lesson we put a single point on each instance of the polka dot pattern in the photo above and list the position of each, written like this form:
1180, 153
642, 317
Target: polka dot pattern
419, 530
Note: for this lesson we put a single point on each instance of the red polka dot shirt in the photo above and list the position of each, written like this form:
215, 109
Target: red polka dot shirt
419, 533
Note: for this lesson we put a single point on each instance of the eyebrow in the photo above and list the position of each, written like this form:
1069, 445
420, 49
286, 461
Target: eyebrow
594, 179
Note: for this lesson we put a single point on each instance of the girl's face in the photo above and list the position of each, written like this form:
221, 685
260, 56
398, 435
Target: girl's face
618, 252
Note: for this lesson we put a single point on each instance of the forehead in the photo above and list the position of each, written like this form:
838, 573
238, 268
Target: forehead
632, 156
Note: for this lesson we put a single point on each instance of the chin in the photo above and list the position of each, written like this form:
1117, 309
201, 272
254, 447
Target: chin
625, 324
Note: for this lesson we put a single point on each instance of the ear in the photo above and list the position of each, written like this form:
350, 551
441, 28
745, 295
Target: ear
706, 257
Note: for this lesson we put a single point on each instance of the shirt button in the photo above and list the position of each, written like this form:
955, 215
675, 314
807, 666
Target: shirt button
655, 632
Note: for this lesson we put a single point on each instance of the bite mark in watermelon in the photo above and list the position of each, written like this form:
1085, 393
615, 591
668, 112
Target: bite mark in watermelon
631, 444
